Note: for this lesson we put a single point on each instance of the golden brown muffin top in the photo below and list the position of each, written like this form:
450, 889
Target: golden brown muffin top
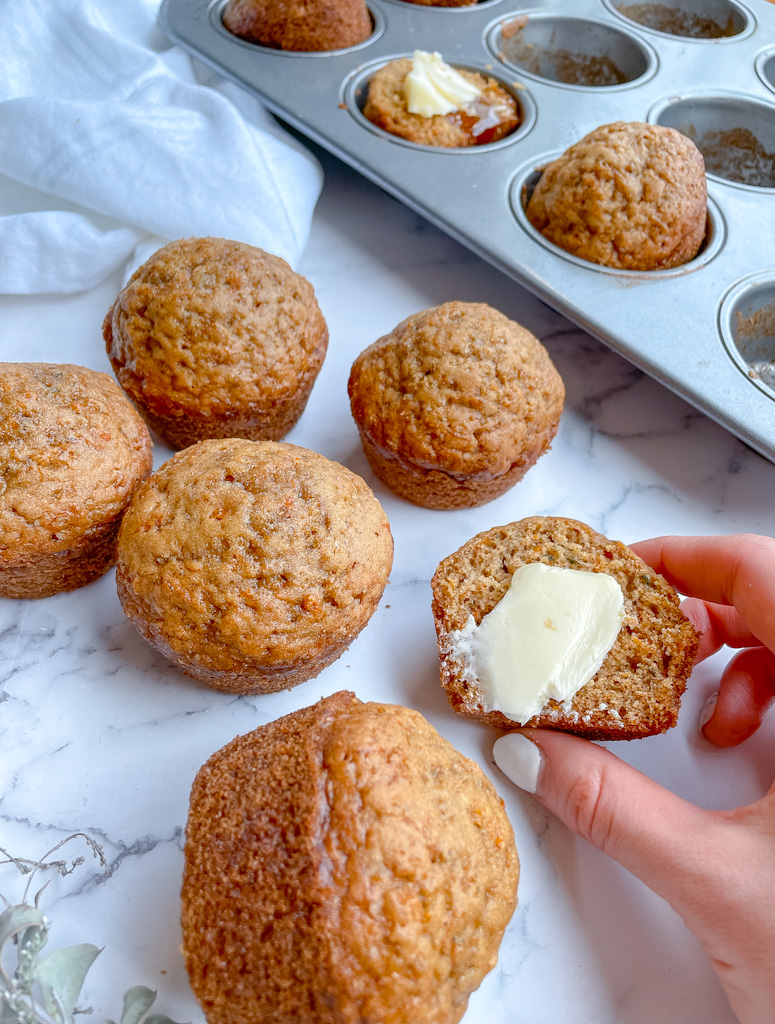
253, 549
212, 326
386, 107
628, 195
72, 450
459, 386
344, 864
310, 26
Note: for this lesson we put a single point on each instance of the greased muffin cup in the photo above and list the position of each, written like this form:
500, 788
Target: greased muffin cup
252, 565
332, 852
628, 195
215, 338
455, 405
72, 452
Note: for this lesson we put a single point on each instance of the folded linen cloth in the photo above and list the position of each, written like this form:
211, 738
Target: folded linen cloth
109, 147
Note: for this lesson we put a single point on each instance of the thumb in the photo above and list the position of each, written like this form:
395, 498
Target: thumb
656, 835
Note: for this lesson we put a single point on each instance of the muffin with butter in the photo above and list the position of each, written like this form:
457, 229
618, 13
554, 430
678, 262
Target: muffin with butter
546, 623
424, 100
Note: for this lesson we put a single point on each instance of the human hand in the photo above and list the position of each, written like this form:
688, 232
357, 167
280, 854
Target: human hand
716, 868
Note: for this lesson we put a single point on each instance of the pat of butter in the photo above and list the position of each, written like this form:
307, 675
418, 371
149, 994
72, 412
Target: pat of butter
546, 637
433, 87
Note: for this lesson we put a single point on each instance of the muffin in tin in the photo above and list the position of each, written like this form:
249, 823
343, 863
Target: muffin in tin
215, 338
344, 863
455, 404
628, 195
490, 114
72, 452
252, 565
313, 26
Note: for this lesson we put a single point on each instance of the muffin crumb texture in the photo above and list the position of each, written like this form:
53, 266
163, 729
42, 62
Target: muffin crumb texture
455, 405
72, 452
637, 690
214, 338
631, 196
344, 864
252, 565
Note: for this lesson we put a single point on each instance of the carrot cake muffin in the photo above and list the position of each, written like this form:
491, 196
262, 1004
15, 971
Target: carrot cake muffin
424, 100
213, 338
286, 25
601, 644
629, 195
344, 864
72, 451
252, 565
455, 405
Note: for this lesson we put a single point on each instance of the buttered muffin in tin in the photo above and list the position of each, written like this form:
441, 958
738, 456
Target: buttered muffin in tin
344, 864
252, 565
424, 100
629, 195
308, 27
215, 338
72, 452
455, 404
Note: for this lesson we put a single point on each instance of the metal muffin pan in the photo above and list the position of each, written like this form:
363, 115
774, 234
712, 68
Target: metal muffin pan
680, 326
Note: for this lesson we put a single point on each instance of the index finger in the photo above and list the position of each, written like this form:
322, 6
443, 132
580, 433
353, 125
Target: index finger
737, 570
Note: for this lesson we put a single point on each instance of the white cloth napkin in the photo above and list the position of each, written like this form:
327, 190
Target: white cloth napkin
109, 147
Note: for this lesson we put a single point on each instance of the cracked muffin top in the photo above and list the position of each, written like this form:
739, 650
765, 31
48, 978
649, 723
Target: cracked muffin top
629, 195
209, 327
237, 552
72, 451
458, 387
330, 853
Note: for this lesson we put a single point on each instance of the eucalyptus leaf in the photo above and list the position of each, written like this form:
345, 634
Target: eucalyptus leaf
158, 1018
137, 1002
18, 918
61, 976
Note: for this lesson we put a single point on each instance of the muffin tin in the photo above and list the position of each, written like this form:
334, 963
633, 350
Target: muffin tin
706, 329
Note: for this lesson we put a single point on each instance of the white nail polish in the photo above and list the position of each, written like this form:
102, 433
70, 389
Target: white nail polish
519, 759
708, 709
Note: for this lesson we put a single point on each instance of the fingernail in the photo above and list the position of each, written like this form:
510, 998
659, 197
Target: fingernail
519, 759
708, 710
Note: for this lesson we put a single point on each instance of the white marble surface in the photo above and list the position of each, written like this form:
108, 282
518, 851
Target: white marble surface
98, 733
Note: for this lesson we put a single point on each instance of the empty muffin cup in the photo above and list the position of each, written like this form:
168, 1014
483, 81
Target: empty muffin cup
571, 51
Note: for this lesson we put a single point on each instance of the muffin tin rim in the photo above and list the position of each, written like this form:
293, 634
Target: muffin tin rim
651, 54
362, 74
750, 27
762, 59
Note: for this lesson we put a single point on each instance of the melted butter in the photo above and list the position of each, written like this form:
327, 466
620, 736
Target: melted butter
546, 638
432, 87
